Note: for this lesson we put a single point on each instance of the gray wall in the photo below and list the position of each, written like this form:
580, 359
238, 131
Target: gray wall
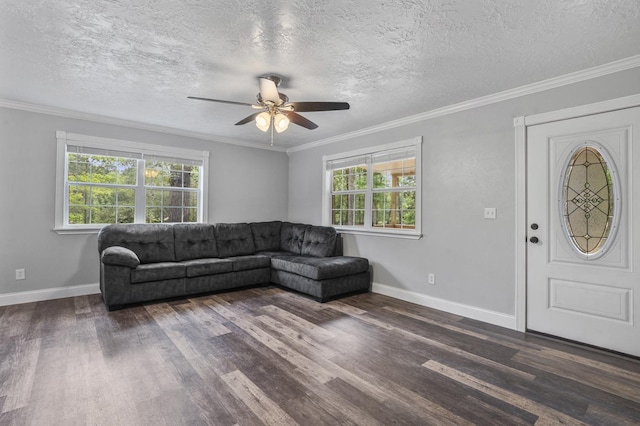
245, 184
468, 163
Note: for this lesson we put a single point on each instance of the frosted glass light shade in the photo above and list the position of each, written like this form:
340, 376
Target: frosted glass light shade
280, 122
263, 120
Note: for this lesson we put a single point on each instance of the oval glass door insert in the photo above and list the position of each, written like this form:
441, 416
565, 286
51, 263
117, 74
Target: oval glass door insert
589, 201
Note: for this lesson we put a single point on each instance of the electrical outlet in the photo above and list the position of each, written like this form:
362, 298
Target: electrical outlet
432, 279
490, 213
20, 274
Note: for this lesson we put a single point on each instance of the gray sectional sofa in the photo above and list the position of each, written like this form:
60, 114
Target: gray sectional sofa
144, 262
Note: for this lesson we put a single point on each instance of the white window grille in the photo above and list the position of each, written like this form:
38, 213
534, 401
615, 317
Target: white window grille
102, 181
376, 190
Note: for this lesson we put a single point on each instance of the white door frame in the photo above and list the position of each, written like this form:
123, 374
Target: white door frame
520, 124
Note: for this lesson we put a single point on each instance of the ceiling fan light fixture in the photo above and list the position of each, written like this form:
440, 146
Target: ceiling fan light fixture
280, 122
263, 120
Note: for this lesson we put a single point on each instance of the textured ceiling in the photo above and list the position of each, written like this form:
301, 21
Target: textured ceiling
138, 60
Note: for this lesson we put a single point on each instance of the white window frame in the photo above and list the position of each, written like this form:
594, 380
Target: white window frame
368, 229
61, 225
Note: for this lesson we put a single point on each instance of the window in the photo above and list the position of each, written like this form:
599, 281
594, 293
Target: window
589, 201
374, 191
102, 181
171, 190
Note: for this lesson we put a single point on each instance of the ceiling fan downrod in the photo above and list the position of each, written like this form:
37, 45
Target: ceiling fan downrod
272, 126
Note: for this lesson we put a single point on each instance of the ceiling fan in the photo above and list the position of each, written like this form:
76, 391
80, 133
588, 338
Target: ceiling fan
276, 110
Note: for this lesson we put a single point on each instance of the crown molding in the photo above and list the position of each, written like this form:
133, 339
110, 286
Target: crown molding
551, 83
67, 113
580, 111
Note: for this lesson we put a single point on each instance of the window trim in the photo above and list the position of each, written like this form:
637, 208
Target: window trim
63, 139
415, 233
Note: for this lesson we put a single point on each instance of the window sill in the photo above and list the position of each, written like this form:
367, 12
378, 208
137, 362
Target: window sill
407, 235
76, 231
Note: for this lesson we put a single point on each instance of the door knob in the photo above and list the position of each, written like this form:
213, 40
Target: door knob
534, 240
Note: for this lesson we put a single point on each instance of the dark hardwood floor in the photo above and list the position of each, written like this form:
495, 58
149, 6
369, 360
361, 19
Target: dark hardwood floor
266, 356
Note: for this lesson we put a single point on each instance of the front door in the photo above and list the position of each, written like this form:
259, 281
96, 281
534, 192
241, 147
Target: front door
583, 254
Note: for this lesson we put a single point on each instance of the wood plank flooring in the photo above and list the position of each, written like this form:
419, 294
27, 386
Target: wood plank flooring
269, 357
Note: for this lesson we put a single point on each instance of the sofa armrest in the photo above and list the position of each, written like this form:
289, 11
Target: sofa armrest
119, 256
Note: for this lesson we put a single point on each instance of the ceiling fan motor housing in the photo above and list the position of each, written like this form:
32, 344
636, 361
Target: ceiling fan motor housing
275, 78
284, 99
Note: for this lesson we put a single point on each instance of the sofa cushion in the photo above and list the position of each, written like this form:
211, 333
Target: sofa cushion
157, 272
211, 266
319, 241
119, 256
194, 241
291, 237
320, 268
255, 261
266, 235
234, 239
150, 242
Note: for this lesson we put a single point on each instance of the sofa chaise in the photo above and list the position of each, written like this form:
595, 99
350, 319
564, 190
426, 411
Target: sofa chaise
145, 262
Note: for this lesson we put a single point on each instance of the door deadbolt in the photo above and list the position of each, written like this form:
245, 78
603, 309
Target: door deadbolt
534, 226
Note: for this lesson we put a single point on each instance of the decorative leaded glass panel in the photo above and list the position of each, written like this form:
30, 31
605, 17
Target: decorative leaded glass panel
588, 200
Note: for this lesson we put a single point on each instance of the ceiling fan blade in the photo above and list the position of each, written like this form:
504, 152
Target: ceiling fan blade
269, 91
248, 119
300, 120
318, 106
218, 100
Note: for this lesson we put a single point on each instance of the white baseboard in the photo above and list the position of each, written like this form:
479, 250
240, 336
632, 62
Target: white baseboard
484, 315
48, 294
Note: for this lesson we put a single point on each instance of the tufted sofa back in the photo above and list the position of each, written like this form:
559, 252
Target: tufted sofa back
319, 241
183, 241
150, 242
194, 241
291, 237
234, 239
266, 235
